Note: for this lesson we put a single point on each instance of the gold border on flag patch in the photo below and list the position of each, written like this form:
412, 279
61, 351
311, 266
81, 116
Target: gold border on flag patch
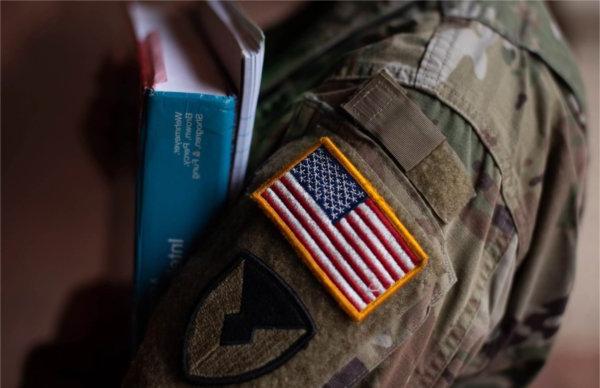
342, 228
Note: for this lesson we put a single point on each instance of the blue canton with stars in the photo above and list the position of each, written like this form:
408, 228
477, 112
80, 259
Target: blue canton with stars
328, 183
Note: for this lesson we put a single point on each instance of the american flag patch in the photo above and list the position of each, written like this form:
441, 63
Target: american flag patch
343, 229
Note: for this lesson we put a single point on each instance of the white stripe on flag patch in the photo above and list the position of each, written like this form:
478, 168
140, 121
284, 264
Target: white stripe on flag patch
366, 252
389, 240
381, 252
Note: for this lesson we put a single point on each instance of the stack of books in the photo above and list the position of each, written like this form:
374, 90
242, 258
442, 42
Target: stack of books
201, 68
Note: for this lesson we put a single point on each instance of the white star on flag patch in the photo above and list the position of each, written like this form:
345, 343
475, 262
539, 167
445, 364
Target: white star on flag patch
343, 229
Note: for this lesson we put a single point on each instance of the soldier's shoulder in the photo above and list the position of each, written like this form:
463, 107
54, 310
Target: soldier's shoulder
503, 67
456, 47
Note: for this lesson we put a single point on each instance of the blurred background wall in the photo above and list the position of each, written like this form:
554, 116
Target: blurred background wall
67, 197
67, 192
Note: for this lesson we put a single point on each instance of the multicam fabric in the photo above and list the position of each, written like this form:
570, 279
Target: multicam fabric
499, 82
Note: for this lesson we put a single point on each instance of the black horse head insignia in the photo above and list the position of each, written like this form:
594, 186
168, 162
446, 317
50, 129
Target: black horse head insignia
247, 323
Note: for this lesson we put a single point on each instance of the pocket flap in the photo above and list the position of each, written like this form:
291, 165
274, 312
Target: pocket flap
384, 111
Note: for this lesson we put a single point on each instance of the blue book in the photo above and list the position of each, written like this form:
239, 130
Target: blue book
186, 139
183, 182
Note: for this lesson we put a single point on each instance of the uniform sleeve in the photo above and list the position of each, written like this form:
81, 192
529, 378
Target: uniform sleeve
501, 333
333, 259
519, 346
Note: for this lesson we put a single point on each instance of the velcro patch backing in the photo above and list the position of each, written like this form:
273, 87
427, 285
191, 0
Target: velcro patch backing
384, 110
388, 115
345, 232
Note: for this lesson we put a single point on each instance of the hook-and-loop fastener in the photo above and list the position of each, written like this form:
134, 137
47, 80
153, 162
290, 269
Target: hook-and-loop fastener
383, 109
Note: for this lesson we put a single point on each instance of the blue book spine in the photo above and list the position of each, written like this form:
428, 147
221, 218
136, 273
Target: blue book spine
186, 142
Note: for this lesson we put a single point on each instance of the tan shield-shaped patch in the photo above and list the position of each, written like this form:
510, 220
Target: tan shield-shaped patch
247, 323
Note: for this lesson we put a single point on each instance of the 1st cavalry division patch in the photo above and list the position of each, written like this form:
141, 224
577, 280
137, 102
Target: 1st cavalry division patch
344, 230
247, 323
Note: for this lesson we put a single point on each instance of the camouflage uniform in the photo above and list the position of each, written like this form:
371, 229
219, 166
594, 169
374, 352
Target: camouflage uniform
499, 82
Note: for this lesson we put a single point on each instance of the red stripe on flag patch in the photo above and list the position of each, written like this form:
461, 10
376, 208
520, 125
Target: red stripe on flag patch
343, 229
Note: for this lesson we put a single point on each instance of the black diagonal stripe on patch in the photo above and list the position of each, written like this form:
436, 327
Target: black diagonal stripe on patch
265, 305
246, 323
